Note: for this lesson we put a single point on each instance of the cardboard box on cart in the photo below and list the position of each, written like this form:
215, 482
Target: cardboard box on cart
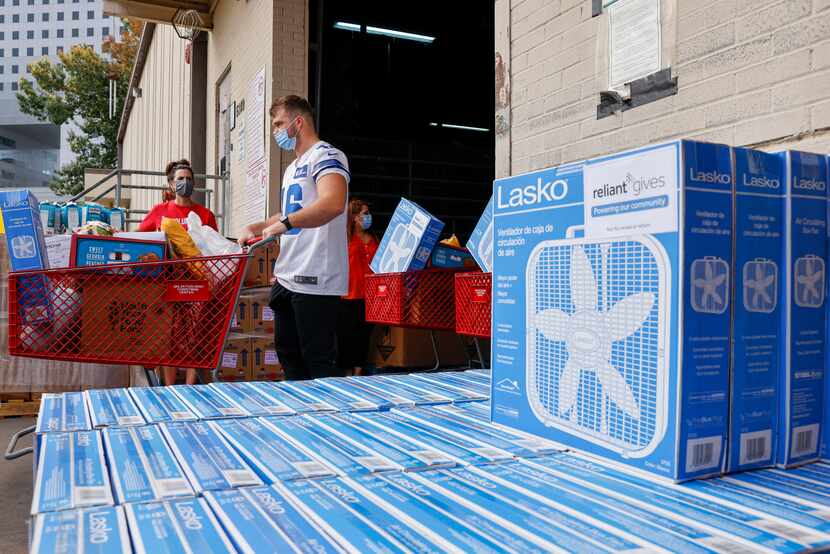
236, 360
265, 365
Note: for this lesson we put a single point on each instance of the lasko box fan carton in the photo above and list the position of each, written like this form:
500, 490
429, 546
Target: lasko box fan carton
804, 314
408, 241
480, 244
757, 302
611, 314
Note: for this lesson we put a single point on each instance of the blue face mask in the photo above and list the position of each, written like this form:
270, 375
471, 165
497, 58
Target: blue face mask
365, 221
284, 141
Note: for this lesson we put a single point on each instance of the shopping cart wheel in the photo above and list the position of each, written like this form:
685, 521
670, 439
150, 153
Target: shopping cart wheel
11, 453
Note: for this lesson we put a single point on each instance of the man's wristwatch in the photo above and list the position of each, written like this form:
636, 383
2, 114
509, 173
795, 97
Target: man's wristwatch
287, 223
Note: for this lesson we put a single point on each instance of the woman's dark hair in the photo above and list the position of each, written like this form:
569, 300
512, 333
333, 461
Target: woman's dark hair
355, 207
170, 170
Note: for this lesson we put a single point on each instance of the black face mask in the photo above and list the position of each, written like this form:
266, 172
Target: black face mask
184, 187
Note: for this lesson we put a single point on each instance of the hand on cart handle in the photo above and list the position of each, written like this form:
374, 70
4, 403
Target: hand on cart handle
258, 242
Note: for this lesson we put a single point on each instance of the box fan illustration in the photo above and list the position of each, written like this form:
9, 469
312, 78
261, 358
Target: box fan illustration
809, 281
597, 334
710, 285
760, 285
401, 246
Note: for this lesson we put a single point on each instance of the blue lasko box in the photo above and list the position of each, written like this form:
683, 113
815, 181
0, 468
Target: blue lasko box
757, 307
611, 316
803, 318
408, 241
480, 244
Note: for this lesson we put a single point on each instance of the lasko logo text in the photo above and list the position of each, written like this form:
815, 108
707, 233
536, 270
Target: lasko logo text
98, 529
533, 194
761, 182
810, 184
270, 503
631, 185
710, 177
191, 520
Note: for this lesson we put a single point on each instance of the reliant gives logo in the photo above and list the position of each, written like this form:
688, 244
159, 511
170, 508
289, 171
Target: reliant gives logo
632, 185
533, 194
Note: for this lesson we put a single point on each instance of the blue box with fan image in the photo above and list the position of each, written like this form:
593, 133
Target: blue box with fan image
611, 306
803, 318
757, 305
408, 241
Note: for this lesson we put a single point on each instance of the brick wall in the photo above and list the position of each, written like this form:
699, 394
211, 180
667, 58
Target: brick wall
247, 37
750, 72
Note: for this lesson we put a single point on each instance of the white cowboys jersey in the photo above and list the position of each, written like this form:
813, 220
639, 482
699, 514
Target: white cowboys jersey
314, 261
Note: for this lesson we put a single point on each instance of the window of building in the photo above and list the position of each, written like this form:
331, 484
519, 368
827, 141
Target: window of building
2, 52
90, 32
30, 51
44, 33
30, 35
44, 51
60, 1
2, 3
59, 49
15, 2
30, 17
75, 33
76, 16
60, 33
44, 17
31, 2
2, 35
14, 85
2, 69
105, 31
45, 2
60, 16
16, 18
2, 18
1, 87
15, 69
15, 51
90, 14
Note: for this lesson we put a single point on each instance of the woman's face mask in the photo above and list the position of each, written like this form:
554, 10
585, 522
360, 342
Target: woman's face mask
365, 221
184, 187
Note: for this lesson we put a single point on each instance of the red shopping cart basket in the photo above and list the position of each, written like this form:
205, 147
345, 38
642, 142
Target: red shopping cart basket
174, 313
473, 301
422, 299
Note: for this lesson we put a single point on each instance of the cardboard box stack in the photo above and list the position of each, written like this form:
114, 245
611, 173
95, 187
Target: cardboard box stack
252, 326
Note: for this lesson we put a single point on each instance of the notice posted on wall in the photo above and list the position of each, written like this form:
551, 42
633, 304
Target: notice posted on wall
256, 192
255, 120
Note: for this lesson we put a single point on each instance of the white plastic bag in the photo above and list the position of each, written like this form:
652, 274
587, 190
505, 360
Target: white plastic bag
208, 241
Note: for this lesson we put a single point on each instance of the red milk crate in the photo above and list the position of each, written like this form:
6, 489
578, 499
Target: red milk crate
422, 299
473, 301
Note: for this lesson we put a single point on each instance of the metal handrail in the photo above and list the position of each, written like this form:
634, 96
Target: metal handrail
210, 193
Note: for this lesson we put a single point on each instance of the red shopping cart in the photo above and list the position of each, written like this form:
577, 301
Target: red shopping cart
473, 307
171, 313
422, 299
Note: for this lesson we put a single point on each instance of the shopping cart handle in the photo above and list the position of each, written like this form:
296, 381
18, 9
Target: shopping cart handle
258, 242
11, 454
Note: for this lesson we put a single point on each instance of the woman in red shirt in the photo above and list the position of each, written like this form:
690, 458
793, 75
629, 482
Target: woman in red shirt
177, 204
353, 332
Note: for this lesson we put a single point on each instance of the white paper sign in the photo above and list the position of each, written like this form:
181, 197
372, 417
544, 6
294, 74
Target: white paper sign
634, 39
271, 358
255, 120
256, 192
229, 359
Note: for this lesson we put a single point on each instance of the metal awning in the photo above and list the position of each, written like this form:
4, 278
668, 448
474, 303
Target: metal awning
161, 11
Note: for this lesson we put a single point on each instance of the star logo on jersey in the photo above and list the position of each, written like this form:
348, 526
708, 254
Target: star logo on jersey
301, 171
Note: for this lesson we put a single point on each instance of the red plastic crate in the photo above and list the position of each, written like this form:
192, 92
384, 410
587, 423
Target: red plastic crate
422, 299
473, 302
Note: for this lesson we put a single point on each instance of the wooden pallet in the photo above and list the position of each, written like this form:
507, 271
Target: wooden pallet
19, 407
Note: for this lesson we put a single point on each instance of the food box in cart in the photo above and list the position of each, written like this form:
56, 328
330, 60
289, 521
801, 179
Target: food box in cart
90, 250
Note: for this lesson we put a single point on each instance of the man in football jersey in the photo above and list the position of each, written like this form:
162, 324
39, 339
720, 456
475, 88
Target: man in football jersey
312, 270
